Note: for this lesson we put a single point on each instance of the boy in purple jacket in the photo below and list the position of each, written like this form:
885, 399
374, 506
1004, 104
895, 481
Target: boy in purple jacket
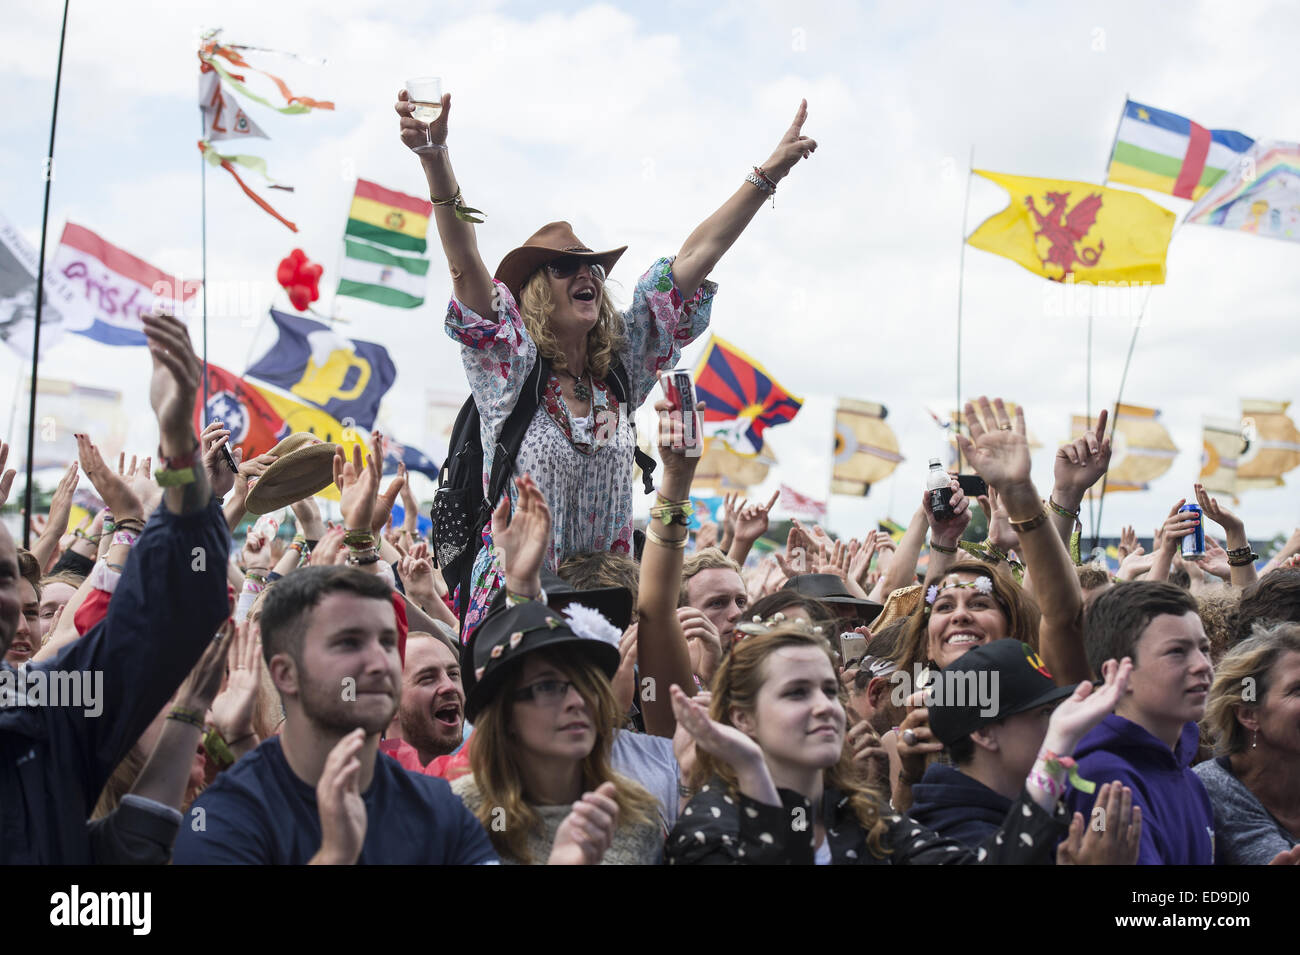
1149, 741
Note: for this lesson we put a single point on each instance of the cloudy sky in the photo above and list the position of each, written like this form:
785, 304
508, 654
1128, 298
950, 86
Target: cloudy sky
634, 122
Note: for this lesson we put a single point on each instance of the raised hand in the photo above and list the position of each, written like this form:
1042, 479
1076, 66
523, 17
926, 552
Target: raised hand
1080, 464
232, 710
414, 133
679, 465
384, 503
523, 539
328, 550
860, 559
1118, 839
1128, 542
1000, 533
703, 642
792, 147
1136, 563
215, 437
417, 577
1212, 509
112, 488
201, 685
947, 531
7, 475
358, 483
306, 513
61, 503
1176, 526
623, 682
1215, 559
338, 800
799, 552
1086, 707
728, 744
587, 832
752, 520
175, 382
997, 447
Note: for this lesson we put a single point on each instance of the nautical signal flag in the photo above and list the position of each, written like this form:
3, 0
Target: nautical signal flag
254, 425
741, 399
114, 288
1061, 229
1168, 153
345, 378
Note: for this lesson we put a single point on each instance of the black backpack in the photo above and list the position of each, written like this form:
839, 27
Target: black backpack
460, 510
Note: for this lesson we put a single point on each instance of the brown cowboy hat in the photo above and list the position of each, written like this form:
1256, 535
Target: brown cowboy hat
555, 240
900, 603
304, 465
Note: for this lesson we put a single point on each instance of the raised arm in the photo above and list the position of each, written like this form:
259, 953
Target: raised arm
1241, 560
662, 653
999, 450
46, 549
946, 533
711, 239
901, 571
471, 282
750, 524
1078, 466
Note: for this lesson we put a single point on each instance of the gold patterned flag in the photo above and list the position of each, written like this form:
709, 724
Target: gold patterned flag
1273, 446
1221, 447
866, 449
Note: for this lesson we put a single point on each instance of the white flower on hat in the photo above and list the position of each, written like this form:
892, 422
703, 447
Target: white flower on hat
591, 624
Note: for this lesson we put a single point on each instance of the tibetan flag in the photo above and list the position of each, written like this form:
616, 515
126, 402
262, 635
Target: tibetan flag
378, 275
1260, 196
112, 288
741, 399
1169, 153
1057, 228
345, 378
801, 505
254, 425
389, 218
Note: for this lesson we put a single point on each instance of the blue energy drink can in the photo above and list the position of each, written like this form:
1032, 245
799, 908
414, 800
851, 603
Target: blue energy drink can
1194, 543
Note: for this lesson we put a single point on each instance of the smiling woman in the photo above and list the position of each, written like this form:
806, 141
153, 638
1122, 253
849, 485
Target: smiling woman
548, 302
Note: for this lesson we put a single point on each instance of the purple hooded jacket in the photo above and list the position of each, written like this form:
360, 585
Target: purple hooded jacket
1177, 817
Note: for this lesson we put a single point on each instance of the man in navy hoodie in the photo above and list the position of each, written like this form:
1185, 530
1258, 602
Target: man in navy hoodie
1149, 741
993, 733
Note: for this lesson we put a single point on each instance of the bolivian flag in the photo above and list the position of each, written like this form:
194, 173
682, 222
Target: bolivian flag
389, 218
1165, 152
1058, 229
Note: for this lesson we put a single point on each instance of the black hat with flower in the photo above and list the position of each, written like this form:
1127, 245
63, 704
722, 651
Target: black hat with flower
502, 640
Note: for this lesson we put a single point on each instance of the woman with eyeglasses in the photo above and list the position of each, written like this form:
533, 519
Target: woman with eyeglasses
544, 717
549, 299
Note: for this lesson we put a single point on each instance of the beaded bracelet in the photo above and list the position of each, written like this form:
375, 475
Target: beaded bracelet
1068, 515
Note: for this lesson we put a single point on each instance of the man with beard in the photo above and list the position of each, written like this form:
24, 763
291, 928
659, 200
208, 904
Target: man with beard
431, 717
317, 793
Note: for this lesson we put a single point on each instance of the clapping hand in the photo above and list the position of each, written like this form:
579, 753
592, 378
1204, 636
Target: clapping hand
727, 744
358, 484
339, 803
1116, 842
587, 832
1086, 707
522, 539
112, 488
7, 475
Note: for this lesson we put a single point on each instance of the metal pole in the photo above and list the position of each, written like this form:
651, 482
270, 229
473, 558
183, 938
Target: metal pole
961, 275
40, 289
203, 220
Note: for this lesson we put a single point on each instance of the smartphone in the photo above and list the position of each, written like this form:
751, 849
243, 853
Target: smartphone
680, 391
229, 458
972, 485
853, 647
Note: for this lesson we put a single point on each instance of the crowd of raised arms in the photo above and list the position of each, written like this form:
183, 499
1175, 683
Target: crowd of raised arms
547, 681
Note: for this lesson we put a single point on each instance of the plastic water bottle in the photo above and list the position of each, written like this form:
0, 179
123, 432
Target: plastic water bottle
938, 493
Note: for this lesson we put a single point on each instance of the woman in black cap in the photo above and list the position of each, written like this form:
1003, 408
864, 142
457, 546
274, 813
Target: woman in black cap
544, 718
548, 299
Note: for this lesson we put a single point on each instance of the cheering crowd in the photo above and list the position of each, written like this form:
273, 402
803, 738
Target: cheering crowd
542, 681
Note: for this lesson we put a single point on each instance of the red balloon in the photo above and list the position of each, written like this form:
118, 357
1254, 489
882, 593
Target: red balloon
312, 273
300, 297
285, 273
298, 256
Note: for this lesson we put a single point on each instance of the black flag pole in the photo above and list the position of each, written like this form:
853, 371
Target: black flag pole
40, 291
961, 277
203, 226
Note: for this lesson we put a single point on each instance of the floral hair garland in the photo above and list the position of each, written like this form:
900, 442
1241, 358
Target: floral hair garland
983, 584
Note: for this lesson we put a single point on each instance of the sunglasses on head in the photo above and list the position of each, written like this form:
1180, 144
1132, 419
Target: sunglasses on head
568, 267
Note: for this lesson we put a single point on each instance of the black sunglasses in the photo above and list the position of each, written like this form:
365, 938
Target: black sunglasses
568, 267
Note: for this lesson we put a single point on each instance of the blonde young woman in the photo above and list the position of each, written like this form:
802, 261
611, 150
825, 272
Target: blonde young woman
549, 299
544, 718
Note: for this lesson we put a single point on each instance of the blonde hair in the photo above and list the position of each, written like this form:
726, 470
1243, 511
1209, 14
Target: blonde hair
1251, 660
737, 685
537, 305
494, 759
711, 558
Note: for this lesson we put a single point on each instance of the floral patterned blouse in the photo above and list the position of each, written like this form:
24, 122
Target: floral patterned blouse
583, 466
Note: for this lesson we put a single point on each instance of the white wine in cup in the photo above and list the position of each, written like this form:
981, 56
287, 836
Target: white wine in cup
425, 94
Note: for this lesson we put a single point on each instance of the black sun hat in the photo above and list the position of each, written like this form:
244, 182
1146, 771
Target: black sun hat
830, 589
507, 635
